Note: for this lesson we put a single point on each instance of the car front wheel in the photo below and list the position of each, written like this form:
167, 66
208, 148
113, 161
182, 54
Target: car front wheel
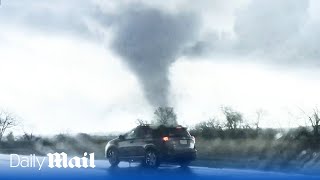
113, 157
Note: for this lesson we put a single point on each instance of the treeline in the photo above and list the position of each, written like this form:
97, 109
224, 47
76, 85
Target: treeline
234, 126
219, 141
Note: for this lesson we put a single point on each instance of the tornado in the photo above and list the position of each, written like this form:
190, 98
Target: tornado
149, 40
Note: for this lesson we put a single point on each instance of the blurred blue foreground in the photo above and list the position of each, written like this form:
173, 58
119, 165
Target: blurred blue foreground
135, 171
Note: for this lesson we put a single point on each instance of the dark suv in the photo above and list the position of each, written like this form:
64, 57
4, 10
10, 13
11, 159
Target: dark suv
152, 146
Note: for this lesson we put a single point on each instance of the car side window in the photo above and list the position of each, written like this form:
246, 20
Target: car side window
131, 134
140, 132
144, 132
148, 133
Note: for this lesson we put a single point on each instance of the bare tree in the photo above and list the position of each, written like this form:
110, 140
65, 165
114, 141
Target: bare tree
7, 121
141, 122
10, 137
234, 118
165, 116
28, 136
212, 123
314, 120
259, 114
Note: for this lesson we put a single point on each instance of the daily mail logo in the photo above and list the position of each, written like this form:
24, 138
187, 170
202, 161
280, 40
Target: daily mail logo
55, 160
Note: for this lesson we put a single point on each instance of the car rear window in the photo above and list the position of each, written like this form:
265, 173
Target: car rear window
176, 132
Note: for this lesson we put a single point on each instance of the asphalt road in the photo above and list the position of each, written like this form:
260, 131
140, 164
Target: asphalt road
135, 171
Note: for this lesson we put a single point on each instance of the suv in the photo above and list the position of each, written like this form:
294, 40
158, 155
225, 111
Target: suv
152, 146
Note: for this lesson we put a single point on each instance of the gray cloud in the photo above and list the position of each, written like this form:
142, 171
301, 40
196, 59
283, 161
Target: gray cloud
276, 29
59, 16
150, 40
276, 32
265, 24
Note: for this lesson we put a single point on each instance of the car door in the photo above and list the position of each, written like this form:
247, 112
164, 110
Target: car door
125, 146
143, 137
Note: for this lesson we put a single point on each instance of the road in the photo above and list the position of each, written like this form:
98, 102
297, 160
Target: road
135, 171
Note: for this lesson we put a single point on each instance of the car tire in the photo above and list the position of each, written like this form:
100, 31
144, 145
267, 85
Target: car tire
113, 157
151, 159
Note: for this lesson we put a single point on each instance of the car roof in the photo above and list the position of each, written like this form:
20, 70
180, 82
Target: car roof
161, 126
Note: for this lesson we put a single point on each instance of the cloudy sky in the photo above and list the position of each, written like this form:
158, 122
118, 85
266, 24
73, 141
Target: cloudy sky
97, 66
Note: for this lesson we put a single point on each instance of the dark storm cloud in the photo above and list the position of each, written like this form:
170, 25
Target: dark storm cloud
150, 40
265, 24
57, 16
273, 30
276, 32
211, 43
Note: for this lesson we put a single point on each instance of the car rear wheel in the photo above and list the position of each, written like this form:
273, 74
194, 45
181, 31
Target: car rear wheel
113, 157
151, 159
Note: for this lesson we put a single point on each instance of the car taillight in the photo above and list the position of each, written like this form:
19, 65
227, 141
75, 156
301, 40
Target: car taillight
165, 138
193, 141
